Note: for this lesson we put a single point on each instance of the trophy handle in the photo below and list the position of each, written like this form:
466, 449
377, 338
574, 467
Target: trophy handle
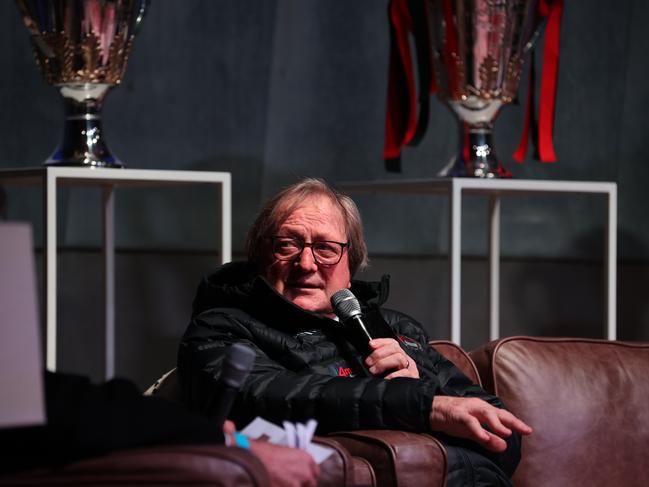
535, 35
135, 27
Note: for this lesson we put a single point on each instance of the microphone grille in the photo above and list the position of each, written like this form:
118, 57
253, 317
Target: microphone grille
345, 304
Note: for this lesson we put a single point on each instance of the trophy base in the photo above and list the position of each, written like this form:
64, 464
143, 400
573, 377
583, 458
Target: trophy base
83, 143
71, 163
458, 168
76, 153
476, 157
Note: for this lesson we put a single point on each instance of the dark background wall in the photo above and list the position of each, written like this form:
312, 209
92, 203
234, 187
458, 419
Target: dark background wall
272, 90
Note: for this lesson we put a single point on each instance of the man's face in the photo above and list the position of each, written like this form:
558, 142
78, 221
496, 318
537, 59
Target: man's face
303, 281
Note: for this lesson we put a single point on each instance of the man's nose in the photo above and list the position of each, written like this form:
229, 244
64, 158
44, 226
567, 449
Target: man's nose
306, 261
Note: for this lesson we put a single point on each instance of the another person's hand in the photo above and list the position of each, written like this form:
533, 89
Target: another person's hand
228, 427
464, 417
387, 355
287, 467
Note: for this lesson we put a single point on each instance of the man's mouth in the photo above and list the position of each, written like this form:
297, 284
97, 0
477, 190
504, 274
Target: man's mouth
303, 285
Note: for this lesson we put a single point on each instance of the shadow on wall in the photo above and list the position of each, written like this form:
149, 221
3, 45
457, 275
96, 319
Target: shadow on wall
633, 282
568, 297
247, 176
564, 297
154, 293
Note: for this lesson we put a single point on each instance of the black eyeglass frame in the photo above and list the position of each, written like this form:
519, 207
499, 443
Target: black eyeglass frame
302, 244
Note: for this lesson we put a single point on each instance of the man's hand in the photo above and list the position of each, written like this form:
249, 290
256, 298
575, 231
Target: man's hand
287, 467
464, 417
388, 355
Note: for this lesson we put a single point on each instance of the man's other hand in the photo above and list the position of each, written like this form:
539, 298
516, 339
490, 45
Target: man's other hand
464, 417
287, 467
387, 355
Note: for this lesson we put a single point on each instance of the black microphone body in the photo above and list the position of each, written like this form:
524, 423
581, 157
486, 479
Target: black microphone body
357, 322
236, 366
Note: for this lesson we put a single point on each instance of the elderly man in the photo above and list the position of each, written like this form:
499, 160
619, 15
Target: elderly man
305, 245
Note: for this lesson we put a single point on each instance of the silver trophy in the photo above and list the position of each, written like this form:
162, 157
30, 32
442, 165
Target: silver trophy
478, 47
82, 47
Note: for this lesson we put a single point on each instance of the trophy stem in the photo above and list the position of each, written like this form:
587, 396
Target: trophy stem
83, 143
476, 157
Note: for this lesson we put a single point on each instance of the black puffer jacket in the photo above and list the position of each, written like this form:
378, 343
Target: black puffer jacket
307, 365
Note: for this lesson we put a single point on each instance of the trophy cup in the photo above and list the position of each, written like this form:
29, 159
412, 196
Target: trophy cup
478, 47
82, 47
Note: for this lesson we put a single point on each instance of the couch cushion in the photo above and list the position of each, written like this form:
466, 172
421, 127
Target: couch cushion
588, 402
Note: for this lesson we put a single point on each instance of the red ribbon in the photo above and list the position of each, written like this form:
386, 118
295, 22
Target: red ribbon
521, 151
401, 120
552, 9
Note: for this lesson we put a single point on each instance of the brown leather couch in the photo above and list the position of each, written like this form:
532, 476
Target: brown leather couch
587, 401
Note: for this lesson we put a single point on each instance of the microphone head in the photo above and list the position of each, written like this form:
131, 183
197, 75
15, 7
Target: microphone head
237, 364
345, 304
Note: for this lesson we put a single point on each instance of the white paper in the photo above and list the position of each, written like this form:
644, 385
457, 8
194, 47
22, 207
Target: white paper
311, 426
260, 429
291, 435
300, 434
292, 438
318, 452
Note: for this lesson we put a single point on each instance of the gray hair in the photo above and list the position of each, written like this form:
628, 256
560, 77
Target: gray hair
280, 206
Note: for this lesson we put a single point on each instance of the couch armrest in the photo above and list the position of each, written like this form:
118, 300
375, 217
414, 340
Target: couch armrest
175, 465
398, 458
341, 468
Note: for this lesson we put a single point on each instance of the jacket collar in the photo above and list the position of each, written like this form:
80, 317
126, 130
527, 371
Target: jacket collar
239, 285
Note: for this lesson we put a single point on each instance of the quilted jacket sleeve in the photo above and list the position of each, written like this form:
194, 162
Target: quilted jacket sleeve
432, 365
450, 381
277, 393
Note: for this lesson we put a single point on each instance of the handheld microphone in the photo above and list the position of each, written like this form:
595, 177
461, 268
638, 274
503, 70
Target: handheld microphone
235, 368
348, 309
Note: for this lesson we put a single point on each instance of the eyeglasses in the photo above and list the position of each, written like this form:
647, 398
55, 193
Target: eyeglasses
325, 252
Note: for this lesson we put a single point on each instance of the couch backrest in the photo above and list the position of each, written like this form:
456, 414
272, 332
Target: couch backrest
588, 402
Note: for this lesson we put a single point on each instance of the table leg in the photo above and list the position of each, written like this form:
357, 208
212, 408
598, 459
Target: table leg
109, 280
455, 249
611, 265
49, 270
494, 267
226, 220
